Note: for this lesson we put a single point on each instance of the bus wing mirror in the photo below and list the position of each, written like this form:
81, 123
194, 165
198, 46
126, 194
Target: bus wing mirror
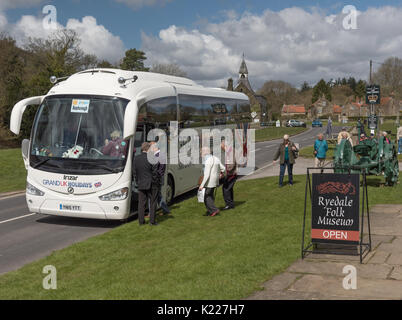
18, 111
25, 152
130, 119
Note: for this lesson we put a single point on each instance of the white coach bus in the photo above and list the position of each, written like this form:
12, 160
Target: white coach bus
73, 167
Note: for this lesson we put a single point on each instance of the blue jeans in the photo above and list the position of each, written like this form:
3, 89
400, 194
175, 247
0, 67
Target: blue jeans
282, 172
400, 145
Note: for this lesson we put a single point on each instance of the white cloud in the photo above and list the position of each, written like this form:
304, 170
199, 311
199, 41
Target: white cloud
95, 38
26, 27
137, 4
3, 21
292, 45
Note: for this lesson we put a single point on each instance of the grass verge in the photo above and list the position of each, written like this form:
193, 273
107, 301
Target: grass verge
308, 152
189, 255
12, 170
273, 133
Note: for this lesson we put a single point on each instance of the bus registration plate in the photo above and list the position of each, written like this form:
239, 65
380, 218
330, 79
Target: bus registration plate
70, 207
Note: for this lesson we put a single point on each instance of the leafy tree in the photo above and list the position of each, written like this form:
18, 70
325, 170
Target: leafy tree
305, 87
26, 72
12, 87
321, 88
134, 61
105, 64
352, 83
360, 90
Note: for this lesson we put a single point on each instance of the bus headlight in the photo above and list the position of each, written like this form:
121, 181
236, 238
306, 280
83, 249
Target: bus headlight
33, 191
120, 194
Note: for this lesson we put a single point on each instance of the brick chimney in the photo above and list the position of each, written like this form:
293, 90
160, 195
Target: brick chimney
230, 84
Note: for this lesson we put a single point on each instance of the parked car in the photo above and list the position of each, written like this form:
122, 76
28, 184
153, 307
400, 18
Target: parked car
295, 123
316, 123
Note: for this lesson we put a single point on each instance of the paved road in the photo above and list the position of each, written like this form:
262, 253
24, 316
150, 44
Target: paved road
265, 151
26, 237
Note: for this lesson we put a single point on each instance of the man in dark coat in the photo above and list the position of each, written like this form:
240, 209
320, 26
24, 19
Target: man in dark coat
161, 169
146, 177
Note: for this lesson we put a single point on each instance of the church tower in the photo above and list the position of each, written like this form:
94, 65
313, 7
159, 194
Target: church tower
243, 76
258, 103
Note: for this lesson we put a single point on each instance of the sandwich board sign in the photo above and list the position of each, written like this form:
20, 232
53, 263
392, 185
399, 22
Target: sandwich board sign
335, 208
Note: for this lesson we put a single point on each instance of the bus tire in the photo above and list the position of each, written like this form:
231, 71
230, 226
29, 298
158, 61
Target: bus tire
170, 190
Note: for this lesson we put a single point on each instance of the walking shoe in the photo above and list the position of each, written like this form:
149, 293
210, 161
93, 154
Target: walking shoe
213, 214
154, 224
228, 208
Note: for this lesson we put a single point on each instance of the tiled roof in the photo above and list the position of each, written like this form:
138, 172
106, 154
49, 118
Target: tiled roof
385, 100
337, 109
359, 105
293, 108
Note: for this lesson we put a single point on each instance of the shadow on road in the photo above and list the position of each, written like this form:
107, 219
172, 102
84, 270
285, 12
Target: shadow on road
79, 222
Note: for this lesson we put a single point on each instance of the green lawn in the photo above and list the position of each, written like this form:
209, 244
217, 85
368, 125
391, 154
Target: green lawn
12, 170
189, 255
272, 133
307, 152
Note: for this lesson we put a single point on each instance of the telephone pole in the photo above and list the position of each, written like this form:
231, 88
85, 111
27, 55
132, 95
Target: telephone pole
371, 72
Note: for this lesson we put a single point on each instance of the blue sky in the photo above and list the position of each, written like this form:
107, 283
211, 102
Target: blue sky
128, 23
293, 41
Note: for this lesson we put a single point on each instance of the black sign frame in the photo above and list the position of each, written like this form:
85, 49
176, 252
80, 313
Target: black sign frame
373, 94
358, 248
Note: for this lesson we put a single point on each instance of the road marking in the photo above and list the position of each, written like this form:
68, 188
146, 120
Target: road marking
5, 196
9, 220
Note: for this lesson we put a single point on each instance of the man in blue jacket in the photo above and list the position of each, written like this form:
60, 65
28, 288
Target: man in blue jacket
320, 151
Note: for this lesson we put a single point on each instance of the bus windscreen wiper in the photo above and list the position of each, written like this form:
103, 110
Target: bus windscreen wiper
40, 163
113, 170
43, 162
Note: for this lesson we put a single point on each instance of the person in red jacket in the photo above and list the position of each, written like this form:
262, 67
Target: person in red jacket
117, 147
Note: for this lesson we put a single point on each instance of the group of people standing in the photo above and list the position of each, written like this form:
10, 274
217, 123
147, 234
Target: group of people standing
150, 178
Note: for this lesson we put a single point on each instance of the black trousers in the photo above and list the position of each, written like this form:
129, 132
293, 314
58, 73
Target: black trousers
227, 189
144, 196
209, 200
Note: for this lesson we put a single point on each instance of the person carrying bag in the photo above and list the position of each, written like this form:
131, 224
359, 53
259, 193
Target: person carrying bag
213, 168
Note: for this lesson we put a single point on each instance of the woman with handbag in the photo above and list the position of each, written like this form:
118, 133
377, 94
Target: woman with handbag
287, 152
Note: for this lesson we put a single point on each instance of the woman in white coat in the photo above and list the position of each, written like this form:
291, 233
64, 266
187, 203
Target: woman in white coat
213, 170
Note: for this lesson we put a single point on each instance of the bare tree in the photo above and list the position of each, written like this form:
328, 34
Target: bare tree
389, 76
169, 69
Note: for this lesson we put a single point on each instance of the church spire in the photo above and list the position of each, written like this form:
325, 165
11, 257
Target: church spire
243, 71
